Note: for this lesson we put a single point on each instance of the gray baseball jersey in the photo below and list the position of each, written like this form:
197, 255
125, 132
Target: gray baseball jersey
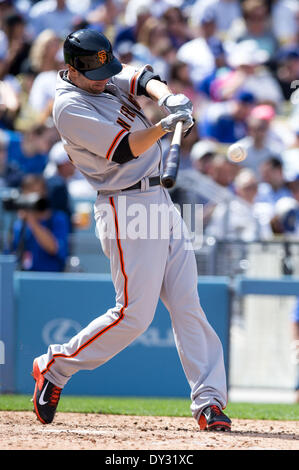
92, 126
143, 268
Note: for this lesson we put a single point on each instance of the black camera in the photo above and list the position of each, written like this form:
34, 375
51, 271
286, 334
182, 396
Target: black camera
31, 201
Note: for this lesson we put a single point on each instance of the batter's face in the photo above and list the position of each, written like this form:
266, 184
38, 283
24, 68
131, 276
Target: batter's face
91, 86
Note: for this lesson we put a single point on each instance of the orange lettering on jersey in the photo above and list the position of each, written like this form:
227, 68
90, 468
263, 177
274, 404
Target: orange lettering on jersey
133, 101
123, 124
128, 113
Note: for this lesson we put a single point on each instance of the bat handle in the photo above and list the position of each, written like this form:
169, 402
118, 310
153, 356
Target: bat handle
177, 135
172, 161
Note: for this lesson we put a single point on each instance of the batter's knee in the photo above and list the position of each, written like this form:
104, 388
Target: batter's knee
139, 321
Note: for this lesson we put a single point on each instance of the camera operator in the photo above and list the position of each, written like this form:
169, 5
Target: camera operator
40, 235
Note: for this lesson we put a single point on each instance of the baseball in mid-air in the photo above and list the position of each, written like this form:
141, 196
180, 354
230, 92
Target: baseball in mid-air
236, 153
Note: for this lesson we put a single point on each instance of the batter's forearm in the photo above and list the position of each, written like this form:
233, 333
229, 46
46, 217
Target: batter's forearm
141, 141
157, 89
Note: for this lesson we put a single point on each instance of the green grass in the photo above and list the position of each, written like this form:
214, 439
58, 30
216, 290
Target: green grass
152, 407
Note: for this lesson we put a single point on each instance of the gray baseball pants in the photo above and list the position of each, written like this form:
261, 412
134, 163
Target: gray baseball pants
145, 268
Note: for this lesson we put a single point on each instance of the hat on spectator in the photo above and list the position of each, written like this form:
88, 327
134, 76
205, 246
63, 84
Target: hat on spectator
263, 111
202, 148
245, 97
124, 47
246, 52
288, 53
208, 16
58, 155
244, 178
286, 210
285, 204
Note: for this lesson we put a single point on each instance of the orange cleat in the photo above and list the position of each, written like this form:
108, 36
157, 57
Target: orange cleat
212, 419
46, 396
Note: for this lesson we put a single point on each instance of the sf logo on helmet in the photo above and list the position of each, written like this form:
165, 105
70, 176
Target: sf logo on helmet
102, 55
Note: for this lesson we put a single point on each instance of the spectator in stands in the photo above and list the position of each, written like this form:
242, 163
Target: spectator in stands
18, 45
204, 53
104, 15
6, 6
273, 185
227, 122
129, 34
225, 12
238, 218
43, 89
14, 48
25, 115
51, 14
180, 82
43, 52
177, 26
285, 217
9, 104
26, 78
247, 69
202, 156
156, 8
294, 189
153, 38
262, 141
124, 52
256, 25
223, 171
288, 69
284, 16
27, 153
40, 236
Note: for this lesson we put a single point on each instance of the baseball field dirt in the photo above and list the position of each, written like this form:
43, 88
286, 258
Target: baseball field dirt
21, 430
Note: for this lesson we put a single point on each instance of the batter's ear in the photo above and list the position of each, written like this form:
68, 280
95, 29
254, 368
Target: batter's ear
72, 70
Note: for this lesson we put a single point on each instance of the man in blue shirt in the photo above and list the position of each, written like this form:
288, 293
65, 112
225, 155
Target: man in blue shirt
273, 185
226, 122
26, 153
40, 236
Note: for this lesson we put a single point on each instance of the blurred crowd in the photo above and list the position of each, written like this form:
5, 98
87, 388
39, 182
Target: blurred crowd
237, 60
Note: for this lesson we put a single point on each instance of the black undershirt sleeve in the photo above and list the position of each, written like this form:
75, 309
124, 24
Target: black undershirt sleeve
123, 152
145, 77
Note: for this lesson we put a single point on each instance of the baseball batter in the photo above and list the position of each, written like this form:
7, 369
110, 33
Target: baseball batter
109, 139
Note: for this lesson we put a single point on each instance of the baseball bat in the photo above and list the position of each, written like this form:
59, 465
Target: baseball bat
172, 161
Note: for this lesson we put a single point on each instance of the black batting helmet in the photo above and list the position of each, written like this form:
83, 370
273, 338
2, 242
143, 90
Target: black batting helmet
90, 52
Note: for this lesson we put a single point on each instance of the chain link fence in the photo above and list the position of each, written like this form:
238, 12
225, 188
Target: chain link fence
255, 259
261, 338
